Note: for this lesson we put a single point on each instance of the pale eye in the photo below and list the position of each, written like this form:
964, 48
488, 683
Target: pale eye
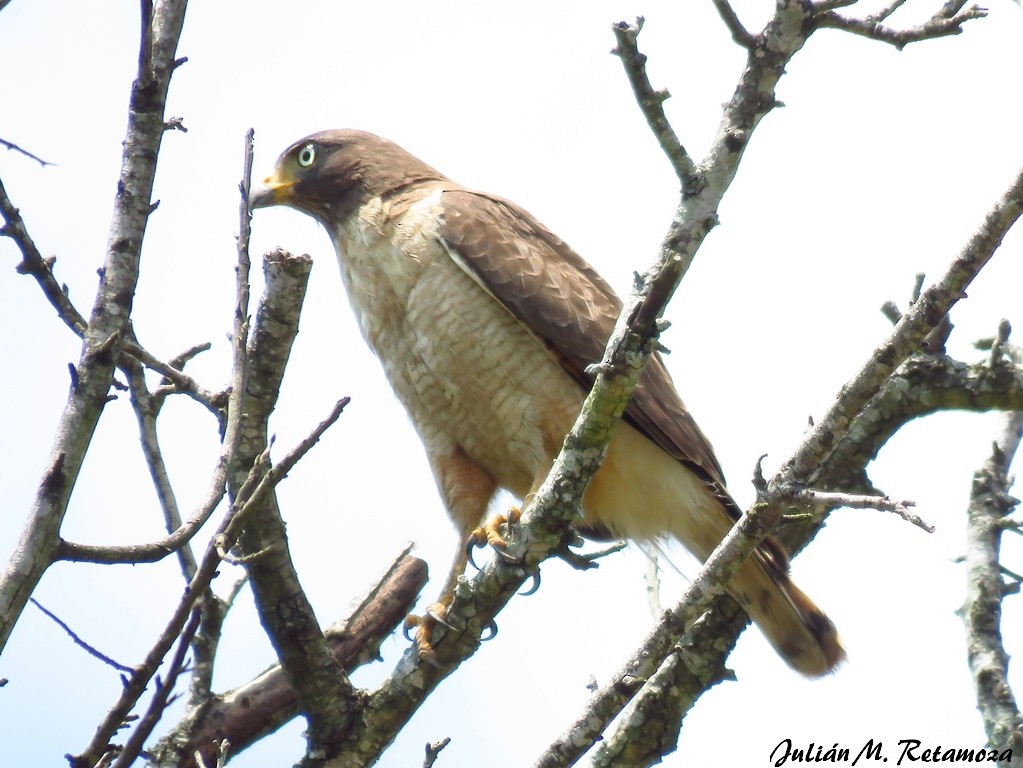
307, 155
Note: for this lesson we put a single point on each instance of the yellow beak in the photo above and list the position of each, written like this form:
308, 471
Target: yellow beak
276, 189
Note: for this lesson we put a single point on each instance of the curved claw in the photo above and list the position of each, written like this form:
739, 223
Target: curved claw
534, 586
439, 619
508, 558
470, 544
492, 627
406, 629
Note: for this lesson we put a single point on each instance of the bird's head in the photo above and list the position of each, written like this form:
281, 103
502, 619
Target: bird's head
329, 174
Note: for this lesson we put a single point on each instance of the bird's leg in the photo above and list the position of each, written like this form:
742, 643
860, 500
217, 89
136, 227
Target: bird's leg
467, 489
436, 613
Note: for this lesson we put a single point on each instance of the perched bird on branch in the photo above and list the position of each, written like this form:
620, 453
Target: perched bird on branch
485, 322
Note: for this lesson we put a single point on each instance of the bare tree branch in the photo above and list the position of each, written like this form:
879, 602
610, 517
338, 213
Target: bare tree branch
990, 503
433, 752
162, 697
33, 263
728, 15
933, 305
260, 707
923, 385
887, 11
14, 147
107, 327
252, 495
327, 697
939, 25
833, 500
146, 408
651, 104
161, 548
632, 676
90, 649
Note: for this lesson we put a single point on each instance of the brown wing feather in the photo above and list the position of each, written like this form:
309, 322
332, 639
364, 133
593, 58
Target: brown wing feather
551, 289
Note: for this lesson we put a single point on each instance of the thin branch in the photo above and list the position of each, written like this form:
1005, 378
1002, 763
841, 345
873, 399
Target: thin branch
213, 401
207, 641
161, 698
253, 493
327, 697
433, 751
833, 500
728, 15
923, 385
33, 263
906, 337
990, 504
937, 26
887, 11
611, 698
107, 327
1000, 349
12, 146
145, 407
156, 550
91, 650
261, 706
651, 104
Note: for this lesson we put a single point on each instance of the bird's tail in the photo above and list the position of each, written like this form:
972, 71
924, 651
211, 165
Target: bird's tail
800, 631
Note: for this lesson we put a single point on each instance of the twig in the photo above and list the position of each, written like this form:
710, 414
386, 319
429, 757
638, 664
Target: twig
214, 401
860, 501
161, 548
145, 407
937, 26
33, 263
433, 751
161, 698
739, 33
887, 11
91, 650
1000, 343
240, 336
651, 104
12, 146
891, 310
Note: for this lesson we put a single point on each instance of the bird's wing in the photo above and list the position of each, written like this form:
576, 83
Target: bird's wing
550, 288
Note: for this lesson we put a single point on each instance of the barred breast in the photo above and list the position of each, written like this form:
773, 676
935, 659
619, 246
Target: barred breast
468, 373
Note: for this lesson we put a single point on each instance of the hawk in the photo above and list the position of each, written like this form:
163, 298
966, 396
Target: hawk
485, 322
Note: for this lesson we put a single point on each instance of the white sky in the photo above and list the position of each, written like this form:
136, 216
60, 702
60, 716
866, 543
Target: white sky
880, 166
